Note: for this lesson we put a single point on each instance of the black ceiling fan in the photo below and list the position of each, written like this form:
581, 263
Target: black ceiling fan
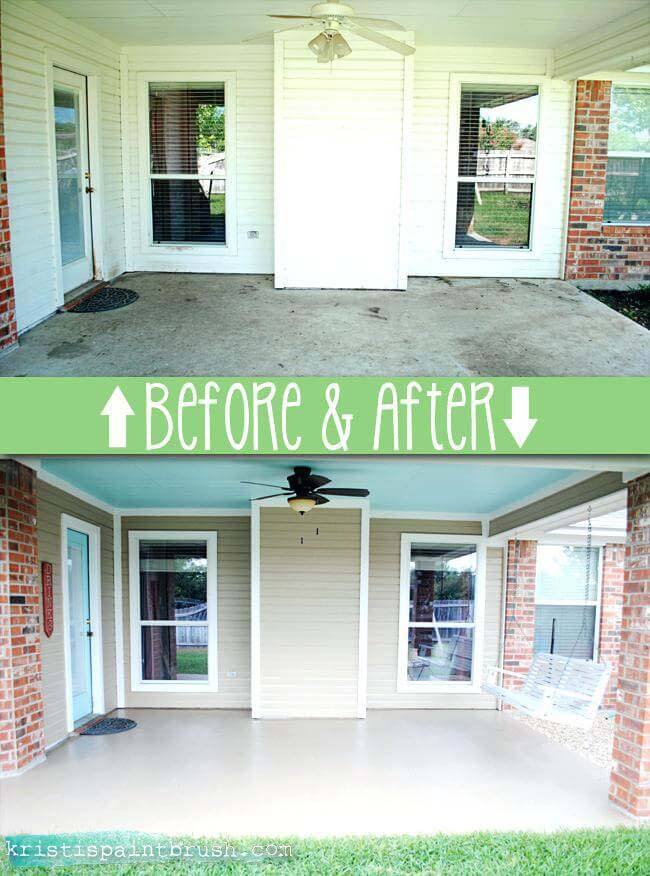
306, 490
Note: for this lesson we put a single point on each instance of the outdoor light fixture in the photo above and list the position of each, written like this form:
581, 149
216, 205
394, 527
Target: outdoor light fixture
301, 504
329, 45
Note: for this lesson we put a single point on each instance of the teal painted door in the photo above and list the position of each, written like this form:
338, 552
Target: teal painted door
79, 621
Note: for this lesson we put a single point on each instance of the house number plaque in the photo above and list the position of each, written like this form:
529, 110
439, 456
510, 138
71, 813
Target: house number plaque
48, 599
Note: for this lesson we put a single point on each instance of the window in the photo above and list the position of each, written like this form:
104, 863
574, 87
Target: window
496, 165
173, 609
566, 610
627, 194
187, 137
438, 611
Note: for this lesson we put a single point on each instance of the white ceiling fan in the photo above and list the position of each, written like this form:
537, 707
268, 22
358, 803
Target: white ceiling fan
331, 19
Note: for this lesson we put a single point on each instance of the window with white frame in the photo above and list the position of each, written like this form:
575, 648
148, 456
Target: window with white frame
173, 609
566, 605
627, 194
187, 140
497, 156
437, 611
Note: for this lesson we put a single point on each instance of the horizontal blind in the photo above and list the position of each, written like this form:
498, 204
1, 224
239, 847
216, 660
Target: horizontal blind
496, 165
627, 194
565, 629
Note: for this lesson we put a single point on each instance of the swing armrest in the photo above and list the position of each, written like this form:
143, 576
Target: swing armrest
569, 694
494, 670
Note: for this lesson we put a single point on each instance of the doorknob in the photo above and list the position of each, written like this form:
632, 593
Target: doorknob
89, 190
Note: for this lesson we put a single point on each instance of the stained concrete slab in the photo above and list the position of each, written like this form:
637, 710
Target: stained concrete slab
193, 324
398, 772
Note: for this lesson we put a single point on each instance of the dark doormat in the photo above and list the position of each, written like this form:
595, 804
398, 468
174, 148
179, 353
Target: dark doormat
106, 298
109, 725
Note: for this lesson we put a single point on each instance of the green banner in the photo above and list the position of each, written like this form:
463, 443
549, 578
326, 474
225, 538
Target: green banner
317, 415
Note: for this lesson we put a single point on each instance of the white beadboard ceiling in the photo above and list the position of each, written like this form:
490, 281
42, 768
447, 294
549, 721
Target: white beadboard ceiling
537, 24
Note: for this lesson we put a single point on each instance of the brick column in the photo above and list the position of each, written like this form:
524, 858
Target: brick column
21, 691
519, 633
630, 779
8, 327
596, 251
611, 609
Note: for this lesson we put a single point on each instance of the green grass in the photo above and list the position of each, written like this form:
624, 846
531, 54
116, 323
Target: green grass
218, 205
192, 661
621, 852
503, 218
633, 303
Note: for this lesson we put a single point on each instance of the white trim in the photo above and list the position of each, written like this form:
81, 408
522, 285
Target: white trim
466, 517
404, 244
126, 160
119, 611
256, 658
61, 484
542, 493
137, 683
535, 247
184, 254
183, 512
95, 584
474, 685
362, 505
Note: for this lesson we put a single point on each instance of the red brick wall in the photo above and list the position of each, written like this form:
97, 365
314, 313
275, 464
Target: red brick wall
8, 328
519, 634
596, 251
630, 779
21, 696
611, 609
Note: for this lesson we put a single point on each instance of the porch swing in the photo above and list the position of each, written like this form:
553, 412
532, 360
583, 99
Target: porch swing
559, 689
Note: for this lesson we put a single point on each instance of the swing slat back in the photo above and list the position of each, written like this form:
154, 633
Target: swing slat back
553, 671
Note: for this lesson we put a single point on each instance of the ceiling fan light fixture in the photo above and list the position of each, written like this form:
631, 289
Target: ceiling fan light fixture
340, 46
320, 45
301, 504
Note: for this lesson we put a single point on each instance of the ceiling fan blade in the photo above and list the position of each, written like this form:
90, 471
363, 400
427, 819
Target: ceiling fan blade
296, 18
272, 496
379, 23
374, 37
320, 500
261, 484
271, 33
343, 491
319, 480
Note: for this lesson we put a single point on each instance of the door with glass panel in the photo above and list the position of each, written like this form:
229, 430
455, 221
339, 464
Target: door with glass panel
73, 184
79, 625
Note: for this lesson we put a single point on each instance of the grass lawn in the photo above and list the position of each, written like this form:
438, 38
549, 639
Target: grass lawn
634, 303
218, 205
192, 661
503, 217
596, 853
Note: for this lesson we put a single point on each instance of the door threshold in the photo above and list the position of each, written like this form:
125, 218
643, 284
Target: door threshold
86, 721
74, 296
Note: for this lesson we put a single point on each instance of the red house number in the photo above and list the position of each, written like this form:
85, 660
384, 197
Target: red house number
48, 599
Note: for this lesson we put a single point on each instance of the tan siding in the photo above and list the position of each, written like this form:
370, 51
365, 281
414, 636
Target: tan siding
586, 491
309, 612
29, 31
233, 612
52, 503
383, 610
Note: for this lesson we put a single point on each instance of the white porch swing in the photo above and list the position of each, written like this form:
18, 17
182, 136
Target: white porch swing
563, 690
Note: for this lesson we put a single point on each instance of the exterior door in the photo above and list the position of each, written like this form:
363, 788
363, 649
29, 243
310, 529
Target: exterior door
80, 632
73, 178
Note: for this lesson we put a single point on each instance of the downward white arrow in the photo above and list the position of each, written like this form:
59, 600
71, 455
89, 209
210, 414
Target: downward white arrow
117, 409
520, 424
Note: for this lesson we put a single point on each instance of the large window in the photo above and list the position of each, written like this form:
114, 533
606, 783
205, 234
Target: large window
187, 137
173, 609
438, 611
627, 198
496, 165
566, 607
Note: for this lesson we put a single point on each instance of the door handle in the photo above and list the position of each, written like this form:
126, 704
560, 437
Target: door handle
89, 633
89, 190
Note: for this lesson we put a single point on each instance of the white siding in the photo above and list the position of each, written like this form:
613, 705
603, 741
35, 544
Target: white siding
429, 187
32, 34
383, 621
339, 166
253, 66
52, 503
233, 613
309, 613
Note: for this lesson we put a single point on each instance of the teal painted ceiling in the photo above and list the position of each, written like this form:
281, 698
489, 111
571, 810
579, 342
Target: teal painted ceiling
395, 484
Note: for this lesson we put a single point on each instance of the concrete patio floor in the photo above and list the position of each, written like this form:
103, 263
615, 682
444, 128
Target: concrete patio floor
194, 324
216, 773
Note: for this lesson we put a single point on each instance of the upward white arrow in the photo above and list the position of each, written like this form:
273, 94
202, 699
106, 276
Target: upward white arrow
520, 424
117, 409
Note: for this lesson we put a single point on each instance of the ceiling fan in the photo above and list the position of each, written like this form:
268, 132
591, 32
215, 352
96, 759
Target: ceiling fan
334, 17
306, 490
